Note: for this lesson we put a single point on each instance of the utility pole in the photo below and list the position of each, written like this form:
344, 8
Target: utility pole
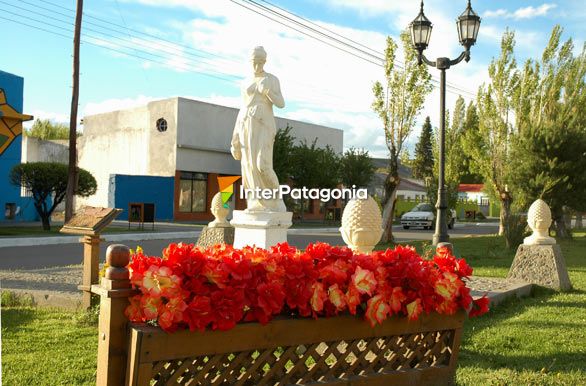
73, 172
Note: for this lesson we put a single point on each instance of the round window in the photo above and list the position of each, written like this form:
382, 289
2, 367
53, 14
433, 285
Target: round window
161, 125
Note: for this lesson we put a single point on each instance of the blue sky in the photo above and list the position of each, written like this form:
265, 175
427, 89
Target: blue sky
321, 84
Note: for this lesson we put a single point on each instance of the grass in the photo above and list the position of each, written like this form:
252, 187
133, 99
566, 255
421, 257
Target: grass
540, 340
47, 347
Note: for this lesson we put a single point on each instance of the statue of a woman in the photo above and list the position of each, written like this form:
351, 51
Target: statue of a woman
254, 134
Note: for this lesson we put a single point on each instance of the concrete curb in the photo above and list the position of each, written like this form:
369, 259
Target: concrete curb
35, 241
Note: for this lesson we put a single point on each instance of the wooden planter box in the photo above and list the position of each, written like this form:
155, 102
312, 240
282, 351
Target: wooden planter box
340, 350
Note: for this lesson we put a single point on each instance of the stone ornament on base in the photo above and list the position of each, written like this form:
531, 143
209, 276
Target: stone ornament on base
539, 220
361, 225
218, 231
220, 212
539, 259
262, 229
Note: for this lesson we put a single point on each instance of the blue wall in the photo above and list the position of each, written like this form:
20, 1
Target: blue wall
13, 87
157, 190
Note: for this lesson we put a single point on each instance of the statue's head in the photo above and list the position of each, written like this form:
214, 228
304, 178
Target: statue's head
259, 58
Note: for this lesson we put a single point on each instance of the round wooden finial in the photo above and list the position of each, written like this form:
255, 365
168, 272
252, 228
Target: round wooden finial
117, 255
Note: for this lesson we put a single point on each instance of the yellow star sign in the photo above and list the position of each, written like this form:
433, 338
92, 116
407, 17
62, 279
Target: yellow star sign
10, 122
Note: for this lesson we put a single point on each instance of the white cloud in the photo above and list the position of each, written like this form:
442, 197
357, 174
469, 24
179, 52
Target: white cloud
50, 115
321, 84
114, 104
521, 13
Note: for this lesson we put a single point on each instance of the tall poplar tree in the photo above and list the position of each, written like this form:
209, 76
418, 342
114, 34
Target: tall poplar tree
550, 112
470, 123
398, 102
423, 162
489, 146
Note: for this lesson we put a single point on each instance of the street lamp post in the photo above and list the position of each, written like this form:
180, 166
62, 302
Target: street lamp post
468, 24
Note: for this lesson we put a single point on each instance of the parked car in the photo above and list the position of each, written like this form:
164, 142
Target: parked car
423, 215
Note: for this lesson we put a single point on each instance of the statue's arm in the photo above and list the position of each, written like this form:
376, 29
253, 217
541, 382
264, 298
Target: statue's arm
235, 145
274, 93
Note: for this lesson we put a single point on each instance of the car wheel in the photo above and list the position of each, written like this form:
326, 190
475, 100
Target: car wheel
451, 224
405, 227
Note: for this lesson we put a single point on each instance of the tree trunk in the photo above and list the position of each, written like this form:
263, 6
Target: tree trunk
45, 219
388, 214
505, 211
578, 224
72, 176
559, 219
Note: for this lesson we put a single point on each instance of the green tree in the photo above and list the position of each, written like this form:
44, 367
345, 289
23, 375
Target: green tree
550, 149
489, 146
423, 163
453, 168
45, 129
357, 168
47, 181
470, 123
398, 102
314, 168
282, 153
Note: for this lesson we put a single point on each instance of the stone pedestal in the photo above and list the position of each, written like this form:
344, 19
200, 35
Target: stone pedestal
263, 229
542, 265
210, 236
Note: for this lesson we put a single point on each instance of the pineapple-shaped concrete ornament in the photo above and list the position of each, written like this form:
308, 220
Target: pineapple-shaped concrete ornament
361, 224
220, 212
539, 220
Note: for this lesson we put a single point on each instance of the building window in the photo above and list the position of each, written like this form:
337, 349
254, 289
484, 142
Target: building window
193, 189
161, 125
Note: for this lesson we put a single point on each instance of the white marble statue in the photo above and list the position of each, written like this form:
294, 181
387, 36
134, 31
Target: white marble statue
539, 220
254, 133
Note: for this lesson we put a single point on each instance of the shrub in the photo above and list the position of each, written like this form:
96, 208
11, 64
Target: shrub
515, 230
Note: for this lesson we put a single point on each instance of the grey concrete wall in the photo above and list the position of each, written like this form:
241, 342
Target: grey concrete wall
205, 130
197, 138
127, 142
39, 150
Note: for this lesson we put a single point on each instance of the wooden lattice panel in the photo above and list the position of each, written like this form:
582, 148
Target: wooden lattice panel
280, 354
319, 362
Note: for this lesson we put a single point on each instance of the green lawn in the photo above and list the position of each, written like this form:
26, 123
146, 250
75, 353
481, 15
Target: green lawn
539, 340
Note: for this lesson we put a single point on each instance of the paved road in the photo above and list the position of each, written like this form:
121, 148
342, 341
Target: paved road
23, 258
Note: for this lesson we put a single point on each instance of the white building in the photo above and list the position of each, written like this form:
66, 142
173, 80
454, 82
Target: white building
170, 153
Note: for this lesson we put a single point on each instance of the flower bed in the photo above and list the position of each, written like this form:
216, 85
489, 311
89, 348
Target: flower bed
216, 288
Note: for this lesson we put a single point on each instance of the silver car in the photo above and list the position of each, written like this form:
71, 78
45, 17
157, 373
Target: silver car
423, 215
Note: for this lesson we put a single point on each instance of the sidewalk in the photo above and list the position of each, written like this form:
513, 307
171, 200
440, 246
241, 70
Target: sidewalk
162, 231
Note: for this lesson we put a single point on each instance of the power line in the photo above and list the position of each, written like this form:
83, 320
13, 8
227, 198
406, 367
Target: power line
451, 88
183, 67
114, 47
158, 38
160, 42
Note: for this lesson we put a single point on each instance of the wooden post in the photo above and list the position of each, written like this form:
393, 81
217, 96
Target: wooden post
91, 267
114, 291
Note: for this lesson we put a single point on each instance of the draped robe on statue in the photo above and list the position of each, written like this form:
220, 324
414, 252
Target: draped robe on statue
254, 136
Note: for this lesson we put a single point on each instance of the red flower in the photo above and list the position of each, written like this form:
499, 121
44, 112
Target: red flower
479, 307
397, 299
220, 286
318, 297
336, 297
227, 308
364, 281
376, 310
414, 309
134, 311
198, 313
